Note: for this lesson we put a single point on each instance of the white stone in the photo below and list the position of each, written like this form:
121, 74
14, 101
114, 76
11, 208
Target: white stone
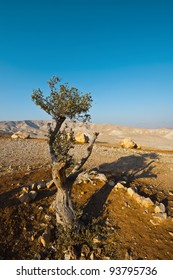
101, 177
160, 208
130, 191
128, 143
20, 135
14, 136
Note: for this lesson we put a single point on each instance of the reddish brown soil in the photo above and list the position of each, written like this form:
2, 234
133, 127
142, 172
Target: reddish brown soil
136, 236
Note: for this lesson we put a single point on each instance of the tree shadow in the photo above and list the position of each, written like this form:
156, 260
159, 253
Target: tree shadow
9, 198
95, 205
129, 167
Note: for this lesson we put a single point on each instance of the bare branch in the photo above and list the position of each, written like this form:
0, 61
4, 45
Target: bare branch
84, 159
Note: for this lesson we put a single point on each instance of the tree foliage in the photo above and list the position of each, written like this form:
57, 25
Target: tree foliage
64, 101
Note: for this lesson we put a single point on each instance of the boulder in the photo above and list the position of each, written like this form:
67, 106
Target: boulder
128, 143
20, 135
81, 138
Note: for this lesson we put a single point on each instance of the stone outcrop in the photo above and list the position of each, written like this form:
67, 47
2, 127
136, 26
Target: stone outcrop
128, 143
144, 201
20, 135
85, 177
81, 138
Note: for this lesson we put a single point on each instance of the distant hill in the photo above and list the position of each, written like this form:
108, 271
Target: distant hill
107, 132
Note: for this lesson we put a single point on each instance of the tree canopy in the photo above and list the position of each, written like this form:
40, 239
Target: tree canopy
64, 101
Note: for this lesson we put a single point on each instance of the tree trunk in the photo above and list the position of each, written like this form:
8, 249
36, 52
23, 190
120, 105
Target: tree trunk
65, 214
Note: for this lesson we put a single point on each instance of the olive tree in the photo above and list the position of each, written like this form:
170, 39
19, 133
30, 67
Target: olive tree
64, 103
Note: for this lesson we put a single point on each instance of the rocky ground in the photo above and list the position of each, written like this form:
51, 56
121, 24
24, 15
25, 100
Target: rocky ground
123, 226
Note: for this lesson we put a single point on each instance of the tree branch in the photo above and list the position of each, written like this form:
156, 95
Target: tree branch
84, 159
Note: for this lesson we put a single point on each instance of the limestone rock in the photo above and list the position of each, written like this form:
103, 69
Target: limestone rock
81, 138
20, 135
101, 177
128, 143
130, 191
160, 208
82, 177
146, 202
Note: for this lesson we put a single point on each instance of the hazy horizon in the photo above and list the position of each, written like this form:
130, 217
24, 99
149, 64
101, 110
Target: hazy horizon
104, 123
120, 51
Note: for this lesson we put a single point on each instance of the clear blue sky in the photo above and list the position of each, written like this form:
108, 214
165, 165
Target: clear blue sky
120, 50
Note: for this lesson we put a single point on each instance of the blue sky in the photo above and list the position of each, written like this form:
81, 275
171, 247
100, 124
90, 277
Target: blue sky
120, 50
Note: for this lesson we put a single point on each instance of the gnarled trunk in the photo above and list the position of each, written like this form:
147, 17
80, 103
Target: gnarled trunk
65, 214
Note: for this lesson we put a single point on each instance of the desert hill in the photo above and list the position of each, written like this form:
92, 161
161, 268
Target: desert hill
152, 138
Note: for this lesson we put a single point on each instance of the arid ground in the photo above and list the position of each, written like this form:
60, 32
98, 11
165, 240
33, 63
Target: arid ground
130, 230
